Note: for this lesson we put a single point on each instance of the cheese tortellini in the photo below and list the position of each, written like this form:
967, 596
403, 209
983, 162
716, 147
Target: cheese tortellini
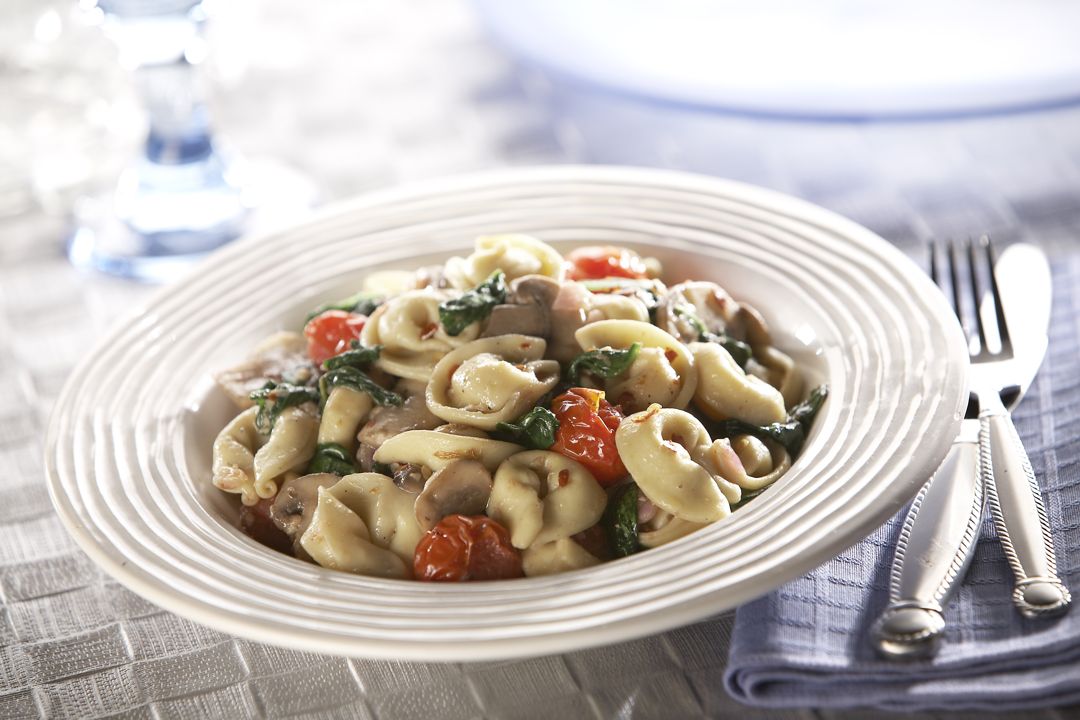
491, 380
543, 496
725, 391
663, 372
408, 330
677, 465
515, 255
246, 464
508, 414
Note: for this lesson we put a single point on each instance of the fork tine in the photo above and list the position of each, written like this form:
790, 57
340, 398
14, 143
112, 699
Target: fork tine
999, 310
954, 276
935, 271
976, 295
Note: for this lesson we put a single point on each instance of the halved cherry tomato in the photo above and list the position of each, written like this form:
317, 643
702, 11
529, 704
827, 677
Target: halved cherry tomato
587, 425
463, 547
603, 261
329, 333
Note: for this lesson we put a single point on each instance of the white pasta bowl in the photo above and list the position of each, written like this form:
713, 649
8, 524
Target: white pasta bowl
129, 446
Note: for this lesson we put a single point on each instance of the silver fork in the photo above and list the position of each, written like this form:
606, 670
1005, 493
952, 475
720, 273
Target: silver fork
937, 539
1011, 488
939, 532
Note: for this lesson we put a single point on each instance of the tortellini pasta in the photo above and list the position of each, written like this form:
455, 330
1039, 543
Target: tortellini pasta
663, 372
435, 450
543, 496
407, 328
607, 306
338, 538
515, 255
532, 441
491, 380
676, 464
556, 557
243, 464
345, 409
725, 391
386, 510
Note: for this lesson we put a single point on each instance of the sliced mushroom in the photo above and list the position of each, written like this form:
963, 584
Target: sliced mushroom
282, 356
388, 420
527, 310
460, 488
296, 502
524, 319
689, 308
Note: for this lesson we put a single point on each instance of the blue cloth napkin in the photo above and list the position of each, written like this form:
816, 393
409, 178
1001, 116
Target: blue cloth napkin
807, 644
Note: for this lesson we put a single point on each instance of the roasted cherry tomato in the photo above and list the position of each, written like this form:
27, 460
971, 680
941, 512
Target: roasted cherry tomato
603, 261
329, 333
587, 425
256, 523
463, 547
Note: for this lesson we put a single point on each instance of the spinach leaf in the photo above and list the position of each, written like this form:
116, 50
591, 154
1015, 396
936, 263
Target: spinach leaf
358, 357
382, 469
272, 398
603, 362
688, 312
332, 458
807, 410
620, 521
362, 303
740, 352
790, 433
348, 376
475, 305
535, 429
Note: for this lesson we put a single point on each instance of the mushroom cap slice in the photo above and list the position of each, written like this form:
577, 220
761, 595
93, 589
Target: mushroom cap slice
461, 488
296, 501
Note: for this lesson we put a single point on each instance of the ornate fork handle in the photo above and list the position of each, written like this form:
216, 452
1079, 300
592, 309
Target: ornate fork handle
1019, 515
934, 549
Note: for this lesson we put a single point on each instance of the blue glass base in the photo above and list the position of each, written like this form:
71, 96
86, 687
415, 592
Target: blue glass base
163, 219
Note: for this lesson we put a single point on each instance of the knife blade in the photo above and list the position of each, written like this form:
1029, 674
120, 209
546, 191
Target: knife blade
1024, 283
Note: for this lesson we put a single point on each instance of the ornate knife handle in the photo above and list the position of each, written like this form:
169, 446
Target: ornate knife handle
934, 550
1020, 517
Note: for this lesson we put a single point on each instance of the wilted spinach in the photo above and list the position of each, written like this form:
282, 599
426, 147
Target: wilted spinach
603, 362
535, 429
475, 305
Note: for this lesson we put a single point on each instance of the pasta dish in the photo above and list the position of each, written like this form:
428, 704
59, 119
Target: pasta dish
511, 413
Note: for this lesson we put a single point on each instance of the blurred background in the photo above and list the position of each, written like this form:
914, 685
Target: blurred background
136, 135
917, 120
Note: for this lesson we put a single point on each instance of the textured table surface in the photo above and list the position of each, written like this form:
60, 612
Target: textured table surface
361, 96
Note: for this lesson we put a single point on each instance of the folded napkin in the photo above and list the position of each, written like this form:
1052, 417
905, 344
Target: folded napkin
808, 644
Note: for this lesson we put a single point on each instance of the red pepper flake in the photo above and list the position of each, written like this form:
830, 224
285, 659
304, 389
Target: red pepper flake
429, 331
670, 355
564, 478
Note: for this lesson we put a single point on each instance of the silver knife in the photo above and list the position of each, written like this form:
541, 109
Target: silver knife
939, 533
1014, 496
